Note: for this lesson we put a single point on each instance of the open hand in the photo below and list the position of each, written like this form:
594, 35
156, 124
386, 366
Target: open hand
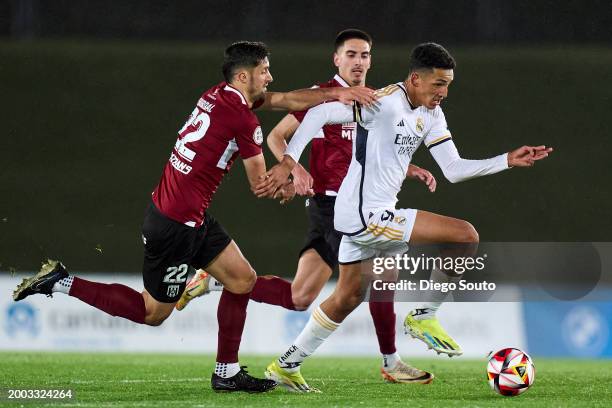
365, 96
526, 156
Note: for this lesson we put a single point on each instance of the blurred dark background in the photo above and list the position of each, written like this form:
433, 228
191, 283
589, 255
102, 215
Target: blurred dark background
396, 21
93, 93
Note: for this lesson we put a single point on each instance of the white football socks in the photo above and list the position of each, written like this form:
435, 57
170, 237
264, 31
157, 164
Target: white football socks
390, 360
430, 308
63, 285
227, 370
316, 331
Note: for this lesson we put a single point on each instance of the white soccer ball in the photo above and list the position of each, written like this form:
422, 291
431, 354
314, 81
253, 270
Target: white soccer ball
510, 372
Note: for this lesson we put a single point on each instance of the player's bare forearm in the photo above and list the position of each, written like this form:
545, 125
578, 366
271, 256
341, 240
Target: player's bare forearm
303, 99
298, 100
277, 142
255, 168
277, 139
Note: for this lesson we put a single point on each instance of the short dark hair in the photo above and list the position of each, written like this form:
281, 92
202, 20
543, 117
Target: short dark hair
429, 56
349, 34
243, 54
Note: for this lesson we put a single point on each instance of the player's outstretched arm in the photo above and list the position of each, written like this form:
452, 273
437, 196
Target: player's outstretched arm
333, 112
303, 99
457, 169
277, 142
418, 173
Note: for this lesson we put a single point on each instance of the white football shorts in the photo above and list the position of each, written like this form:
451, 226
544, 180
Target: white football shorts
387, 234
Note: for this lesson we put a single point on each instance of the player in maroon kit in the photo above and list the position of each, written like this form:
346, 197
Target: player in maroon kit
178, 232
329, 161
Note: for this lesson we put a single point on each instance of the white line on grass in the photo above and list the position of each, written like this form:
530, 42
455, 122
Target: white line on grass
129, 381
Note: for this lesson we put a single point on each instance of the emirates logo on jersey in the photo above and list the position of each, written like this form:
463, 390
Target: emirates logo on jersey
258, 135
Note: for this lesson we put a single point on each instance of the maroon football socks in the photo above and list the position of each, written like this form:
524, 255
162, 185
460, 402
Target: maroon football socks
273, 291
383, 316
231, 315
114, 299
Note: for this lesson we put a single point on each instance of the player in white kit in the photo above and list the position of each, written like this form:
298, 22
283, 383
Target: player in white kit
408, 114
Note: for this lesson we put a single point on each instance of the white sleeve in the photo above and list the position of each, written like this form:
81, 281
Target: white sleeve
439, 130
315, 119
456, 169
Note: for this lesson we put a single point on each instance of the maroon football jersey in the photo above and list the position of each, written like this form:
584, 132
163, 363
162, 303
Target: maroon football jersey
331, 151
219, 128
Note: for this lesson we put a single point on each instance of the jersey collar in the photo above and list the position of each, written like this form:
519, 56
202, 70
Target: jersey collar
341, 81
401, 85
230, 88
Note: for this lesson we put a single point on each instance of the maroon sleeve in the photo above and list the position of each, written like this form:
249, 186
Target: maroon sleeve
249, 137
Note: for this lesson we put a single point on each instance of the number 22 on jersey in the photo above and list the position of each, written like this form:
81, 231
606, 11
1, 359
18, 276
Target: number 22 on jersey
194, 129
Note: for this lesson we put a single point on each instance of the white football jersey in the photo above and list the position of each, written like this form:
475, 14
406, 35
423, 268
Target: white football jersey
386, 139
387, 136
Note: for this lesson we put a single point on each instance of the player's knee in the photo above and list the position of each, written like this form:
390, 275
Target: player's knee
155, 319
244, 283
467, 233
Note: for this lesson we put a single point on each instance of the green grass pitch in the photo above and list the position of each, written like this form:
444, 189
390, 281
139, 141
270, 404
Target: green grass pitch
167, 380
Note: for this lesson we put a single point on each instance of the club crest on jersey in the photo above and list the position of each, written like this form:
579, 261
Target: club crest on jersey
258, 135
173, 290
420, 125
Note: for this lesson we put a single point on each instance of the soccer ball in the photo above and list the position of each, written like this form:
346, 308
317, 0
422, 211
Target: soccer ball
510, 372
